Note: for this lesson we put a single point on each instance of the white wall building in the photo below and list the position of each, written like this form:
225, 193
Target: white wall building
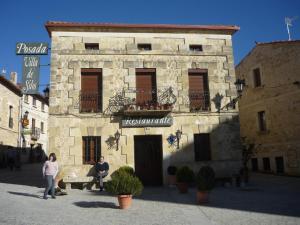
36, 133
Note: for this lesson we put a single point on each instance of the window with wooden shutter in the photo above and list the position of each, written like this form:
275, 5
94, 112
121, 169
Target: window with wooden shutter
256, 77
91, 90
198, 90
91, 149
146, 91
262, 124
202, 147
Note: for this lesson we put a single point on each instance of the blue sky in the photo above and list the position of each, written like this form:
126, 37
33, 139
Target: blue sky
259, 20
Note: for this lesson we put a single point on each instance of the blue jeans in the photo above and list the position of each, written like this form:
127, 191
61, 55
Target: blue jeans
49, 185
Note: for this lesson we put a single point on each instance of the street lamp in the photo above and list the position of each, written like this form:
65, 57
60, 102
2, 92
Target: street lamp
46, 92
117, 138
240, 83
178, 137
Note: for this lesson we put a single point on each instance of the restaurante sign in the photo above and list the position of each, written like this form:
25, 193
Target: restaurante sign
23, 48
147, 122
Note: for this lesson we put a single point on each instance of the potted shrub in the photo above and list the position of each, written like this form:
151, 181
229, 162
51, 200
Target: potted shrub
124, 185
184, 177
205, 180
172, 175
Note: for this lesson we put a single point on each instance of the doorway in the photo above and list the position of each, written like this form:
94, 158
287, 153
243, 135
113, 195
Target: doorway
148, 159
279, 165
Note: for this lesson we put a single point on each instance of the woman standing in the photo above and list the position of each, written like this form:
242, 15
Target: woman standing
50, 170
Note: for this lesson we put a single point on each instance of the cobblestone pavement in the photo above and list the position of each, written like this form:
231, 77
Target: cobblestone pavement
268, 200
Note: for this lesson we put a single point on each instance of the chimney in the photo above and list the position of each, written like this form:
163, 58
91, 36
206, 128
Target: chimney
14, 77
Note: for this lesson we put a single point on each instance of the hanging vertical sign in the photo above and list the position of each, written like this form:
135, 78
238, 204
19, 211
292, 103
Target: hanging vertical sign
31, 69
31, 64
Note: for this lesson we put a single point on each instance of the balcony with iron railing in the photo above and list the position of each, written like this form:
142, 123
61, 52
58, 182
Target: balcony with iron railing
35, 133
90, 102
141, 102
199, 101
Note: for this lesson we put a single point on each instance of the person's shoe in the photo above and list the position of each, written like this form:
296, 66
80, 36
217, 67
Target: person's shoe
45, 197
53, 197
101, 188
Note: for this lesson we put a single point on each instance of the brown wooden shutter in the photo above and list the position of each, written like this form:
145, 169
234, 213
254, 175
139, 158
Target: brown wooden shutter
146, 86
198, 89
91, 90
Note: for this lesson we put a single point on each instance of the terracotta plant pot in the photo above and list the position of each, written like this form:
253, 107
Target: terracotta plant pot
172, 179
182, 187
124, 201
202, 197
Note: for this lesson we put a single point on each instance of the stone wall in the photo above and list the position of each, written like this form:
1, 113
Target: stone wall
9, 136
278, 97
119, 57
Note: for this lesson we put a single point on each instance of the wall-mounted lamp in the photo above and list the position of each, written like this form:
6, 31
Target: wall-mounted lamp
240, 84
46, 92
178, 137
117, 138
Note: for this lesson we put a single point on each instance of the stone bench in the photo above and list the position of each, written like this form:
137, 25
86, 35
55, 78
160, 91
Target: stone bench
88, 182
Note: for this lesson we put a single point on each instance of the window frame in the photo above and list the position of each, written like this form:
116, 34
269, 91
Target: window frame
33, 101
196, 48
262, 121
256, 73
42, 127
92, 46
10, 118
144, 47
87, 157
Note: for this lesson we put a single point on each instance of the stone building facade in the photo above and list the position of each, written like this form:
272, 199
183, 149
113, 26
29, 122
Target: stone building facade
177, 57
270, 105
37, 108
10, 97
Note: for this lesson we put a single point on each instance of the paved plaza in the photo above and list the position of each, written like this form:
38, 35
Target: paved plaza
268, 200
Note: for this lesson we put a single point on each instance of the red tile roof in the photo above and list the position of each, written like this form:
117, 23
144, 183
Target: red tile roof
60, 24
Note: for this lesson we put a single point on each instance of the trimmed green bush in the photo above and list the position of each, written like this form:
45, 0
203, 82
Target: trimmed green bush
185, 175
124, 183
172, 170
205, 179
126, 169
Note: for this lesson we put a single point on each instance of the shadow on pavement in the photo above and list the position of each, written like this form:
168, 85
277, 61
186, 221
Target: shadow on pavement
97, 204
24, 194
29, 175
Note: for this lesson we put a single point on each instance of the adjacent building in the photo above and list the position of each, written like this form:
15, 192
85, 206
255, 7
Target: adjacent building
270, 105
10, 101
35, 134
23, 121
148, 96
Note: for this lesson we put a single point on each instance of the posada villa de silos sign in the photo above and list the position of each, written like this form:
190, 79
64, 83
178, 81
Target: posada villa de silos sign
23, 48
31, 64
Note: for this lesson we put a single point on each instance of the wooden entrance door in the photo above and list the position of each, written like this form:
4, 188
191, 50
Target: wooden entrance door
148, 158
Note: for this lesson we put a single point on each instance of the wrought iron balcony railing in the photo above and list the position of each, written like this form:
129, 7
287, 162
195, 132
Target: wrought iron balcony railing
90, 102
154, 101
35, 133
199, 101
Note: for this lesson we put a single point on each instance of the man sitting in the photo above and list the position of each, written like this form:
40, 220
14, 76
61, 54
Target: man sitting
101, 171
